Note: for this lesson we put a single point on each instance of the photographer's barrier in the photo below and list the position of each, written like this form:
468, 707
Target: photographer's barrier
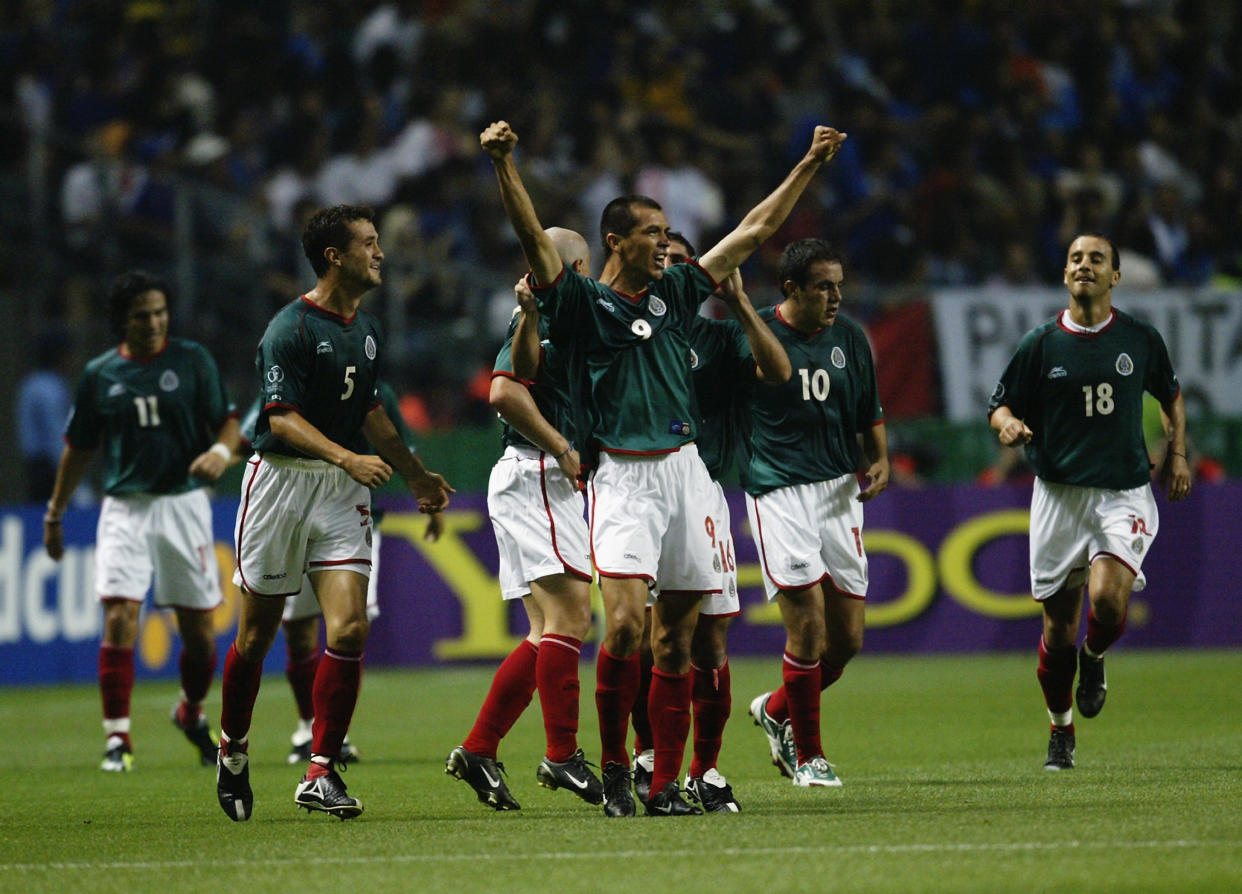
948, 574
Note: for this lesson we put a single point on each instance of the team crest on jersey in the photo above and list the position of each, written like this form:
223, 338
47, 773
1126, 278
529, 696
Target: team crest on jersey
838, 358
694, 359
370, 348
658, 307
169, 381
1125, 365
275, 375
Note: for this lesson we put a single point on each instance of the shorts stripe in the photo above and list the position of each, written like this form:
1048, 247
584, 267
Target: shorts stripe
547, 508
253, 463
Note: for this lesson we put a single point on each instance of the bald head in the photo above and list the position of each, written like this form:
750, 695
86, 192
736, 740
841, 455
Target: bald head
572, 248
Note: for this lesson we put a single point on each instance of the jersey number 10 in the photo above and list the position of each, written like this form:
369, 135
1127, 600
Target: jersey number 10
815, 383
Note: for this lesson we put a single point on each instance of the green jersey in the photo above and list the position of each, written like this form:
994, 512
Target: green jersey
806, 430
323, 366
627, 357
550, 392
388, 399
152, 416
1081, 395
722, 366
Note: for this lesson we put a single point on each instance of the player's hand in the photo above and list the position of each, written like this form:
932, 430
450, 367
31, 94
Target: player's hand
1175, 476
367, 469
435, 527
571, 464
431, 491
54, 538
1014, 432
825, 142
731, 291
498, 140
525, 297
877, 480
208, 466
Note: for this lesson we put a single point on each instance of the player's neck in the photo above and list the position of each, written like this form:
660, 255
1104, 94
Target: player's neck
790, 312
1091, 311
622, 279
335, 297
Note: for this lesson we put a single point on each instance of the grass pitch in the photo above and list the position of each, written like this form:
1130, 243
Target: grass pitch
941, 758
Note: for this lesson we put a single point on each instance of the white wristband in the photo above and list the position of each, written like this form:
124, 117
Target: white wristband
221, 451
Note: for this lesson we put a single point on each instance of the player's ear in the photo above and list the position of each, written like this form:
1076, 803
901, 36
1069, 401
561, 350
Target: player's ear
1116, 277
332, 255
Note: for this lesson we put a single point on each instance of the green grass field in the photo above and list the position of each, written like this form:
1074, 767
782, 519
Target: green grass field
941, 758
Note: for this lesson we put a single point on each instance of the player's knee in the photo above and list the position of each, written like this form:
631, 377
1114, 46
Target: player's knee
350, 635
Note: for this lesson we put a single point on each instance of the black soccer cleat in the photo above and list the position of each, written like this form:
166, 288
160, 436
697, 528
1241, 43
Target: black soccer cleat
327, 794
713, 792
1060, 750
574, 775
233, 785
618, 801
668, 802
643, 768
1092, 686
199, 735
483, 774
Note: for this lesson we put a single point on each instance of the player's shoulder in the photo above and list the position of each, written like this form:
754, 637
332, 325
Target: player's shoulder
1125, 321
99, 361
1036, 334
849, 326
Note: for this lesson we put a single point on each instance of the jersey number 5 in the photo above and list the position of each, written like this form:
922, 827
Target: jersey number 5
1098, 399
349, 382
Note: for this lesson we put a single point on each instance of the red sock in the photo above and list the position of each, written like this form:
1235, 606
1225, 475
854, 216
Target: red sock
239, 687
616, 684
196, 681
556, 678
778, 705
669, 709
334, 694
802, 689
1056, 676
116, 681
512, 688
1099, 636
638, 716
712, 697
828, 675
300, 672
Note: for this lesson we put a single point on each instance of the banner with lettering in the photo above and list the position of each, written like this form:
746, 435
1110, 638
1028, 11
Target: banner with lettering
948, 574
977, 331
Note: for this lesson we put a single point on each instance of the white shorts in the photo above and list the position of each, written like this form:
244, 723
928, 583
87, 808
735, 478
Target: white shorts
537, 515
1071, 526
298, 515
651, 517
726, 601
808, 532
306, 604
168, 537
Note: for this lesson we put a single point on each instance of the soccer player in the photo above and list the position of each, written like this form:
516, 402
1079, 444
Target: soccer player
301, 617
306, 501
627, 340
1073, 395
157, 407
722, 360
536, 507
805, 506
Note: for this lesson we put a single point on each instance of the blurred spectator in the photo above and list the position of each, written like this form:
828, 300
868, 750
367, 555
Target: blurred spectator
42, 411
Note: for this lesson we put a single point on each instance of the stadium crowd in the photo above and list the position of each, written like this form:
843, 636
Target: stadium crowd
982, 135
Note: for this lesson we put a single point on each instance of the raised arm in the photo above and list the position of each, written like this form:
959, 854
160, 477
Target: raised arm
498, 141
771, 362
526, 350
766, 217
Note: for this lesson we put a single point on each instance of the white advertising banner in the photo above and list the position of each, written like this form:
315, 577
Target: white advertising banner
977, 331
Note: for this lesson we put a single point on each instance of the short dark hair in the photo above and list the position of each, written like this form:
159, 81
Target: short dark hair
1112, 246
797, 258
619, 216
125, 288
676, 236
329, 228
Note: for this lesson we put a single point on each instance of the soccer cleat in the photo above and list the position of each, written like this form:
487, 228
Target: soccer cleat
1092, 687
713, 792
300, 744
816, 772
326, 793
233, 784
618, 801
483, 774
574, 775
668, 802
1060, 750
198, 734
783, 757
118, 757
642, 768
